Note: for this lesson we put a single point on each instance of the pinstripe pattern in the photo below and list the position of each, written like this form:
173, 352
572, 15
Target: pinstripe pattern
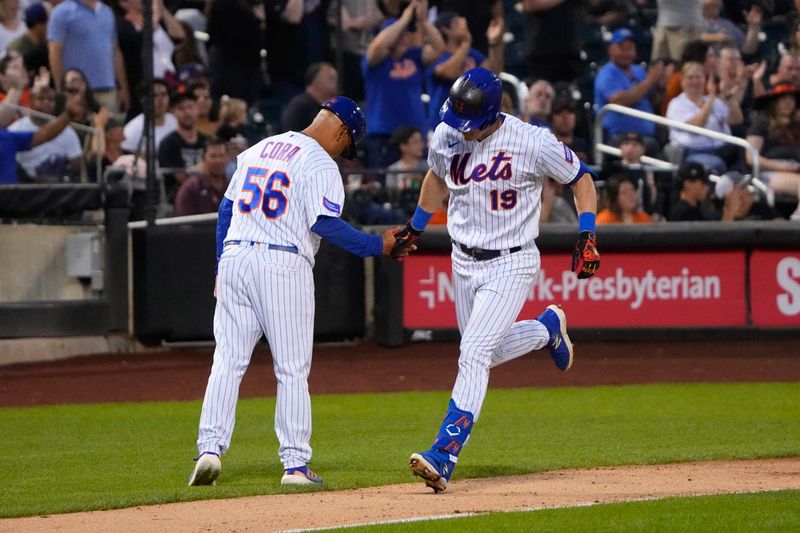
490, 294
270, 292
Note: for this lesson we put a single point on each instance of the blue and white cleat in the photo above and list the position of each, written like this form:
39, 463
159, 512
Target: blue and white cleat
300, 476
559, 345
206, 469
435, 474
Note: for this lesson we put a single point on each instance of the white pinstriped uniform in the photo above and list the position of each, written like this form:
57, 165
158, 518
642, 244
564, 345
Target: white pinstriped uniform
495, 198
280, 187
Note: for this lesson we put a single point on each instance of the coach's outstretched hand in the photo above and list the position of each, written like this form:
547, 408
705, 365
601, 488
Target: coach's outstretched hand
585, 257
404, 239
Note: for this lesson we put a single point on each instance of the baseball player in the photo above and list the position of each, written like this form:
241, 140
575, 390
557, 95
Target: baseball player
493, 165
286, 194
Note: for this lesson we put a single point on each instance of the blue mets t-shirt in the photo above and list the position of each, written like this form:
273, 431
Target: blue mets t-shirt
12, 142
611, 79
439, 88
393, 91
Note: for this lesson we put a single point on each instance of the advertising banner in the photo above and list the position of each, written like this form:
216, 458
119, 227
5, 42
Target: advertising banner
678, 289
775, 288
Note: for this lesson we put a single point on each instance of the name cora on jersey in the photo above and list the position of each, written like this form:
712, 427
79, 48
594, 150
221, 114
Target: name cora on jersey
481, 172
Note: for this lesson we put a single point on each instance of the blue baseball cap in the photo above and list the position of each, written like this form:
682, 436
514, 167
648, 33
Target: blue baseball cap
352, 117
622, 34
35, 14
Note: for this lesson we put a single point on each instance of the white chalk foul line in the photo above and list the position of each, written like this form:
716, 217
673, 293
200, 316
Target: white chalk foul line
523, 510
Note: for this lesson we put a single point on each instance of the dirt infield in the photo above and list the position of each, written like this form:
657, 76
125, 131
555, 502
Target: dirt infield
365, 367
411, 501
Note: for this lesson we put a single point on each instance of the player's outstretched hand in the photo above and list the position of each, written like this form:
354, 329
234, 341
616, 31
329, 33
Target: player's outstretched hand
585, 257
403, 241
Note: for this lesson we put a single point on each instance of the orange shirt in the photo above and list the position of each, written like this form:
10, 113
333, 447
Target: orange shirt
607, 217
23, 100
439, 217
672, 90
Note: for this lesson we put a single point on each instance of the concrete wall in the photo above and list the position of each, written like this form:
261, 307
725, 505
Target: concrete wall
33, 263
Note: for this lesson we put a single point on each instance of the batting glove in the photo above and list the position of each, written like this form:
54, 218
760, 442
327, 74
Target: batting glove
404, 241
585, 257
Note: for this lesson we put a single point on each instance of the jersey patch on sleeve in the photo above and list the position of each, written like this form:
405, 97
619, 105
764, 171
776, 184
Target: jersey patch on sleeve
567, 153
333, 207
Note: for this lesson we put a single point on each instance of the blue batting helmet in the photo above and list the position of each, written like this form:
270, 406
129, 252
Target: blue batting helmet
474, 101
352, 117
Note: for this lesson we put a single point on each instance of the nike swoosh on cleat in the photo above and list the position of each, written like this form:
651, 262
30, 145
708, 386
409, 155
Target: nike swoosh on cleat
453, 144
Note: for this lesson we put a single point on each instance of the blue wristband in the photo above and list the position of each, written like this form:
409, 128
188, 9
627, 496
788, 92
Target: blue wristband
420, 218
586, 222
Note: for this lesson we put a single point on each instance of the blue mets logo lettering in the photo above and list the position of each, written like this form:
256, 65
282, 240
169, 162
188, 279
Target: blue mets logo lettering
481, 172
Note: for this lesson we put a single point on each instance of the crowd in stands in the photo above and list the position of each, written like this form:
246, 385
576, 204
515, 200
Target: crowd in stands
230, 72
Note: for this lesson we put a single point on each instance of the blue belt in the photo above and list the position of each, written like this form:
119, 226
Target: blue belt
279, 247
479, 254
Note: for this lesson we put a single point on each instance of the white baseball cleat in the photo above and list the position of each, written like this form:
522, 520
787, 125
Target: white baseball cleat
300, 476
206, 469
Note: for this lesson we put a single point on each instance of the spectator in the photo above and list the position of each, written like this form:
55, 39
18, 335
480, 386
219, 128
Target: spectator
12, 142
130, 27
206, 184
56, 160
555, 209
720, 31
697, 52
623, 204
408, 141
622, 82
775, 133
10, 26
33, 43
322, 82
562, 123
232, 119
359, 20
13, 87
81, 34
207, 121
553, 38
183, 148
459, 57
107, 142
705, 111
479, 14
538, 106
734, 78
297, 36
74, 82
187, 52
679, 21
631, 147
165, 122
787, 72
746, 203
235, 30
393, 75
693, 197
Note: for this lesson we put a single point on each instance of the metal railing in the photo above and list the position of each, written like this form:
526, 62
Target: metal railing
601, 148
75, 125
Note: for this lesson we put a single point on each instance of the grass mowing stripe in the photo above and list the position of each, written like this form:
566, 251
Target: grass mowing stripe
767, 511
85, 457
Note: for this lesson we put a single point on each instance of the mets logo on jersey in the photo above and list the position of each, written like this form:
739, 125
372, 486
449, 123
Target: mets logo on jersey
500, 169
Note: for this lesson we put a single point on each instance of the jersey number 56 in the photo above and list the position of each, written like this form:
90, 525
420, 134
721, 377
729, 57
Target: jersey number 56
270, 198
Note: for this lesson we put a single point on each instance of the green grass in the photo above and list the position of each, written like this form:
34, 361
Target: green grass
774, 512
82, 457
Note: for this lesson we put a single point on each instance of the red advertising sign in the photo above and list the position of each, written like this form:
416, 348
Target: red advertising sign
678, 289
775, 288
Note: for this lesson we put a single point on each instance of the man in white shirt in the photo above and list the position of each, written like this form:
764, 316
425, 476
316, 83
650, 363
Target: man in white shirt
55, 160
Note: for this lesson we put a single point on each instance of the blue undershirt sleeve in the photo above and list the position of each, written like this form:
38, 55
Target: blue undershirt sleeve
223, 223
347, 237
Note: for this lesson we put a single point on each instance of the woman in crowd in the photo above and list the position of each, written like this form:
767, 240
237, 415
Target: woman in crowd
707, 111
775, 133
623, 203
207, 122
